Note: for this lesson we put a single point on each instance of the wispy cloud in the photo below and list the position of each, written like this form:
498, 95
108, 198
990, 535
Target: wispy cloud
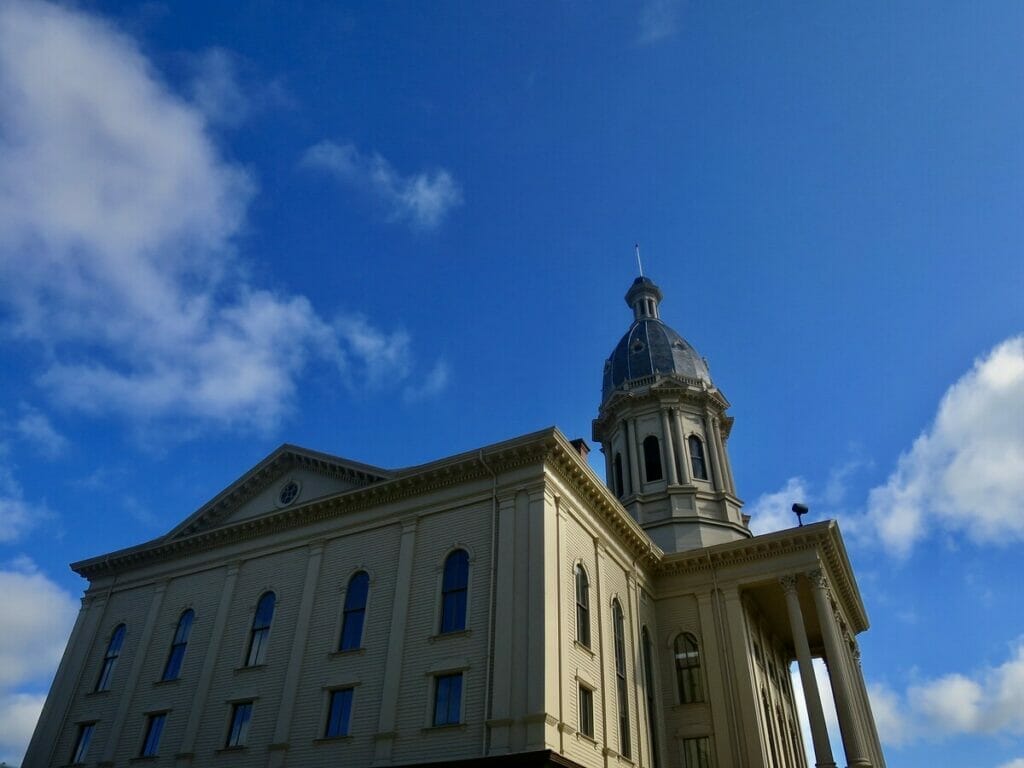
422, 200
986, 701
227, 91
38, 615
35, 427
431, 385
118, 219
17, 514
659, 19
965, 473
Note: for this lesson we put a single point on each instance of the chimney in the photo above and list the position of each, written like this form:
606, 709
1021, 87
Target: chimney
581, 447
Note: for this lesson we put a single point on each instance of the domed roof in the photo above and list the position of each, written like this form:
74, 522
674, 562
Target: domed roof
650, 347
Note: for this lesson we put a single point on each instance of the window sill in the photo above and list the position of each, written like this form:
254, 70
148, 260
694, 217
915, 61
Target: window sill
687, 704
104, 692
581, 736
334, 739
446, 635
445, 727
347, 652
249, 667
583, 647
172, 681
239, 748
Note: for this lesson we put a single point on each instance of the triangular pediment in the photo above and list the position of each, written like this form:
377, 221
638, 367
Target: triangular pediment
288, 477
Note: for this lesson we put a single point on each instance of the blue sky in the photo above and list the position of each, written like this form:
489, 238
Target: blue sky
395, 231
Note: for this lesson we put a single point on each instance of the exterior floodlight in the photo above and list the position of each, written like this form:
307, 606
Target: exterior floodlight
800, 510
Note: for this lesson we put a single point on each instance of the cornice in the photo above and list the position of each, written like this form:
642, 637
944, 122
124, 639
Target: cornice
576, 473
405, 483
274, 466
656, 389
823, 538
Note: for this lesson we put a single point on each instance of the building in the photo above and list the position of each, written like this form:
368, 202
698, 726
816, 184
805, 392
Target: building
501, 607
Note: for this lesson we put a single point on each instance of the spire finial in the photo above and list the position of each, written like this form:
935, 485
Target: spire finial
636, 247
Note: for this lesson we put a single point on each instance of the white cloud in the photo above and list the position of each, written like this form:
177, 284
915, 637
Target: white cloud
216, 90
659, 19
17, 515
965, 473
889, 716
988, 701
423, 199
18, 715
1018, 763
117, 221
432, 384
35, 427
227, 91
773, 511
38, 615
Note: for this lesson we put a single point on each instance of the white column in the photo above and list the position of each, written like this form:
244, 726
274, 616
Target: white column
634, 461
141, 652
722, 460
198, 709
852, 738
872, 730
670, 453
278, 749
711, 452
819, 734
396, 647
684, 449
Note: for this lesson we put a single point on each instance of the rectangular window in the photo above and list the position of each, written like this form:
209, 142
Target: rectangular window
85, 731
339, 713
697, 753
586, 701
154, 727
241, 714
448, 699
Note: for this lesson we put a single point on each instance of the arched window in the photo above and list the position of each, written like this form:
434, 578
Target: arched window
688, 669
652, 459
620, 678
110, 657
260, 634
645, 639
582, 606
177, 655
700, 469
453, 591
617, 479
355, 612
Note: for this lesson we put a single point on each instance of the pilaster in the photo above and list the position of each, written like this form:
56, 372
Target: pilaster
278, 750
139, 660
750, 751
501, 687
384, 739
188, 740
49, 727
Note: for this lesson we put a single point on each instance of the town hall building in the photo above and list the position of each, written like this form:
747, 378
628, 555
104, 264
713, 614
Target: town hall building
500, 607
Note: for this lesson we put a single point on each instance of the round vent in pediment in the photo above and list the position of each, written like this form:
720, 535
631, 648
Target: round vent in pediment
288, 493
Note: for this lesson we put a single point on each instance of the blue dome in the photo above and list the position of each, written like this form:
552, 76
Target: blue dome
650, 347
